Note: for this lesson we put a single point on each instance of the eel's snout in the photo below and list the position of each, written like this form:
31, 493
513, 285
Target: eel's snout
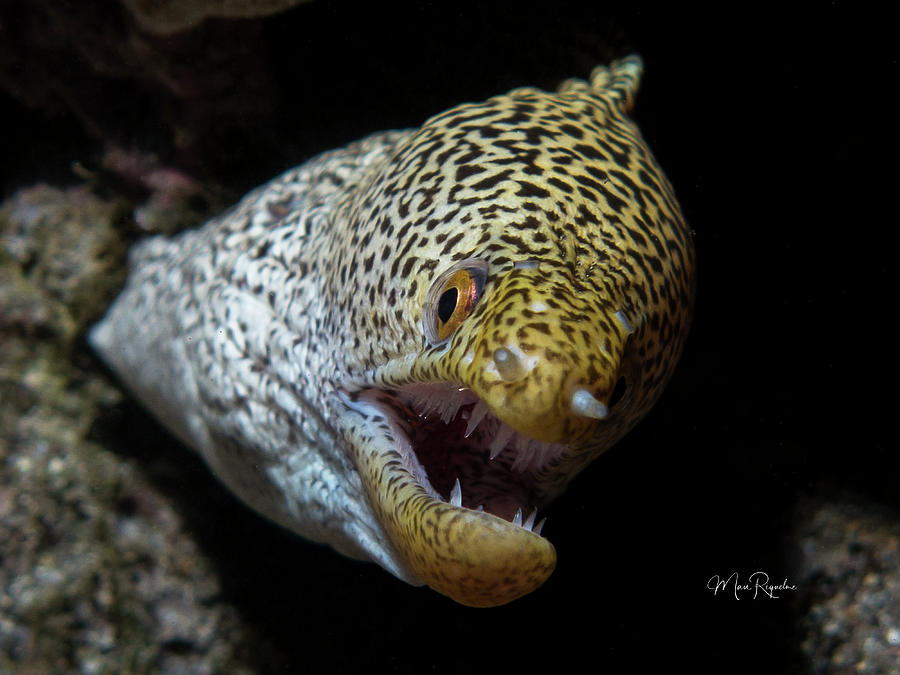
509, 368
547, 358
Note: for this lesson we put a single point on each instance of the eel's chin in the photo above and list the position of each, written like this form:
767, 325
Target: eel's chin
455, 489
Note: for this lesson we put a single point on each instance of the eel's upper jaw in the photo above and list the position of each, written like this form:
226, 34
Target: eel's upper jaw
463, 521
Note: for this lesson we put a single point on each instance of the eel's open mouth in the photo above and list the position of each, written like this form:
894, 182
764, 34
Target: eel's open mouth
455, 489
464, 455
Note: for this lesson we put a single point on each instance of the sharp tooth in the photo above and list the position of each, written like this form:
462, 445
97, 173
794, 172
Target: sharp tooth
504, 433
540, 526
449, 409
456, 494
480, 508
545, 452
529, 522
432, 401
517, 519
526, 449
478, 413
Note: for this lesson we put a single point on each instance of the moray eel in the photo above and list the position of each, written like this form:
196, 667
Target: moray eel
405, 347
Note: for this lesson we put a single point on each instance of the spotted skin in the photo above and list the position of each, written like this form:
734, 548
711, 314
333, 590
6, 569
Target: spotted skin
288, 339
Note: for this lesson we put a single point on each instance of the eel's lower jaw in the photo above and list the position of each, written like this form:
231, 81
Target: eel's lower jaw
474, 556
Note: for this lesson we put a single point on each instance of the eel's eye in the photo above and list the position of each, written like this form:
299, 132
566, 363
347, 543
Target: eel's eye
452, 299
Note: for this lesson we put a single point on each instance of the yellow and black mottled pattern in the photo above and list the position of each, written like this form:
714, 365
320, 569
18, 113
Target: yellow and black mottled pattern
590, 262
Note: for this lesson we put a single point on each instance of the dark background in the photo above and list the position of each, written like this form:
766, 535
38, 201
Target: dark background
778, 130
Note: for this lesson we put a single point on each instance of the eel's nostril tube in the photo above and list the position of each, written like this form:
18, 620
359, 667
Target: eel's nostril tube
584, 403
508, 365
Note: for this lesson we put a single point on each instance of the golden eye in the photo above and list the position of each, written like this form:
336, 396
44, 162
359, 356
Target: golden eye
452, 299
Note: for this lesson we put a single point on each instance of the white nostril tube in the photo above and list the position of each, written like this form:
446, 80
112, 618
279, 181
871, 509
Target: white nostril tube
508, 365
584, 403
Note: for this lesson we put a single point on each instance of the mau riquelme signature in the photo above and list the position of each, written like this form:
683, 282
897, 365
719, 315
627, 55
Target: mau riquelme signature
757, 584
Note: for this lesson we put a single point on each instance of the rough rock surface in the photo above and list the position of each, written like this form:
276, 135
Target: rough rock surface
850, 562
98, 573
